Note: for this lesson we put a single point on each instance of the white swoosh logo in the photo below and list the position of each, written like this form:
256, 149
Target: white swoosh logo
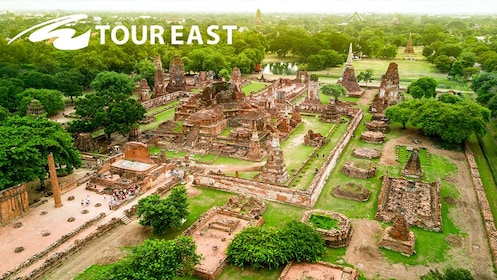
63, 37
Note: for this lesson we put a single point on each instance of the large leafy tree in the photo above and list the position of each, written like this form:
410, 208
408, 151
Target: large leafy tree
448, 274
110, 107
451, 122
163, 214
25, 146
335, 90
366, 76
70, 83
485, 86
50, 99
156, 259
423, 87
272, 247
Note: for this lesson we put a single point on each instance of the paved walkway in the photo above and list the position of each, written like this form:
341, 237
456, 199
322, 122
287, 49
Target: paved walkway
47, 219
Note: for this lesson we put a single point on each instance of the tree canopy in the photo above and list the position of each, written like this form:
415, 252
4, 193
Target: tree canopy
257, 247
335, 90
110, 107
485, 86
163, 214
448, 274
156, 260
423, 87
451, 122
25, 146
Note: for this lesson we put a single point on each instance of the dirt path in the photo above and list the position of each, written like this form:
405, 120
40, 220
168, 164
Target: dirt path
366, 97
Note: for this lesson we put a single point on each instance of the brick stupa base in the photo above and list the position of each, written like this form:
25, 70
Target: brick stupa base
405, 247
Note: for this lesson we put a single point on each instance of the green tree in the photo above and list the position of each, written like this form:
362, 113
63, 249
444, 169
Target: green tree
449, 98
401, 113
423, 87
156, 260
443, 63
163, 214
50, 99
302, 242
146, 70
68, 83
109, 82
25, 146
272, 247
4, 114
444, 120
366, 76
110, 107
448, 274
335, 90
456, 71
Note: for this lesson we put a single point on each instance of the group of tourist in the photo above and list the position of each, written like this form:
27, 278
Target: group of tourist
118, 196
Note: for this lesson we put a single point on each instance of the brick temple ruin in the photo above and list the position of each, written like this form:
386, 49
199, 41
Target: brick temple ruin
348, 79
215, 229
359, 169
412, 168
134, 169
375, 129
222, 120
317, 271
398, 237
409, 47
389, 93
274, 171
14, 202
334, 237
421, 201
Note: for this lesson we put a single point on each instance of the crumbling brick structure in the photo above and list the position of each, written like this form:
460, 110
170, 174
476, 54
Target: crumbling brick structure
177, 79
334, 237
361, 170
389, 93
314, 139
368, 153
375, 137
398, 237
420, 200
348, 79
413, 165
14, 202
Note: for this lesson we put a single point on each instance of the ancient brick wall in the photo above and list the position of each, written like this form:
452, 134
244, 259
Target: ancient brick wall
162, 100
14, 202
488, 219
107, 164
321, 177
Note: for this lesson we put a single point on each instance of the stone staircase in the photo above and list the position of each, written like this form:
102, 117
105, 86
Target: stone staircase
125, 219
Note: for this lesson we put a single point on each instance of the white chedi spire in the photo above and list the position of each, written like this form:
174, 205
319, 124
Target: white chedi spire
349, 57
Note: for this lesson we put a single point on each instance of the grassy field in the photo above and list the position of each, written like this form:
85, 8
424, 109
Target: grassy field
486, 176
411, 67
159, 118
253, 86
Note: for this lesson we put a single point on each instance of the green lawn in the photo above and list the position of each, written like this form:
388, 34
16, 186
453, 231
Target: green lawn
485, 175
253, 86
159, 118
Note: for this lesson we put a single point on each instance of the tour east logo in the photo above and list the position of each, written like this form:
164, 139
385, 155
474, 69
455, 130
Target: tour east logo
63, 36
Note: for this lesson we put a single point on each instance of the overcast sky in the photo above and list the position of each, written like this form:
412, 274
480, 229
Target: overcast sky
266, 6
